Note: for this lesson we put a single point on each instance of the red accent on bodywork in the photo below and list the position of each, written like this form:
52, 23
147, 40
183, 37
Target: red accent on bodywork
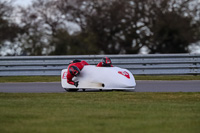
64, 75
126, 74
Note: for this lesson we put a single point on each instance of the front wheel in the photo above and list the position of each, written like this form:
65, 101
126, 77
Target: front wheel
71, 90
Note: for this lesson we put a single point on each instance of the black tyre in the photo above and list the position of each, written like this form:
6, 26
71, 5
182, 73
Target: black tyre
71, 90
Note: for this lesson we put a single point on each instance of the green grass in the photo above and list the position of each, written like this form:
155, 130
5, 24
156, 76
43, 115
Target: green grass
30, 79
100, 112
169, 77
57, 78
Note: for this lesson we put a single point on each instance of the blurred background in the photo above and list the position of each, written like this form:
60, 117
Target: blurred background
82, 27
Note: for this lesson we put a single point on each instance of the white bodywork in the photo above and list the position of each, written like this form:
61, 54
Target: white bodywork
106, 78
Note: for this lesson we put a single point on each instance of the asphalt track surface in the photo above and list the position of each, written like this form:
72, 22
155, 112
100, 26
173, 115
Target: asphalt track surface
142, 86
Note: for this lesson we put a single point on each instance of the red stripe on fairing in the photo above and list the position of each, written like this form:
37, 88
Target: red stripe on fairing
126, 74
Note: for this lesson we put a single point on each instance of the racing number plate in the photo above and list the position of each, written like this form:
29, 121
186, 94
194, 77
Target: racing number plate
64, 76
126, 74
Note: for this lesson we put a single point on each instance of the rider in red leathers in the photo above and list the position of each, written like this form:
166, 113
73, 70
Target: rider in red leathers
106, 62
74, 70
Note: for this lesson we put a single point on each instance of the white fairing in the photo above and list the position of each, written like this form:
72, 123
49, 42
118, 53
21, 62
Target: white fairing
101, 78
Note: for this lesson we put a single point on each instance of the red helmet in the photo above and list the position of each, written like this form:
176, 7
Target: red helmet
74, 70
106, 61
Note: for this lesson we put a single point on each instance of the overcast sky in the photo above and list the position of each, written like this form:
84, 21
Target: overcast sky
23, 2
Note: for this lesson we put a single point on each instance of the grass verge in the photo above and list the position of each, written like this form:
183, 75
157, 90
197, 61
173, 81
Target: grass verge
30, 79
57, 78
102, 112
169, 77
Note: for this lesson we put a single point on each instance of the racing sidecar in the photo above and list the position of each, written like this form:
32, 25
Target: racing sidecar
102, 78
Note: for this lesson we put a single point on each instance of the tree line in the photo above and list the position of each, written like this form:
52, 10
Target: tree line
66, 27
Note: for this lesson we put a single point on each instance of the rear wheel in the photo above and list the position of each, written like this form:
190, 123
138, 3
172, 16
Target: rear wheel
71, 90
